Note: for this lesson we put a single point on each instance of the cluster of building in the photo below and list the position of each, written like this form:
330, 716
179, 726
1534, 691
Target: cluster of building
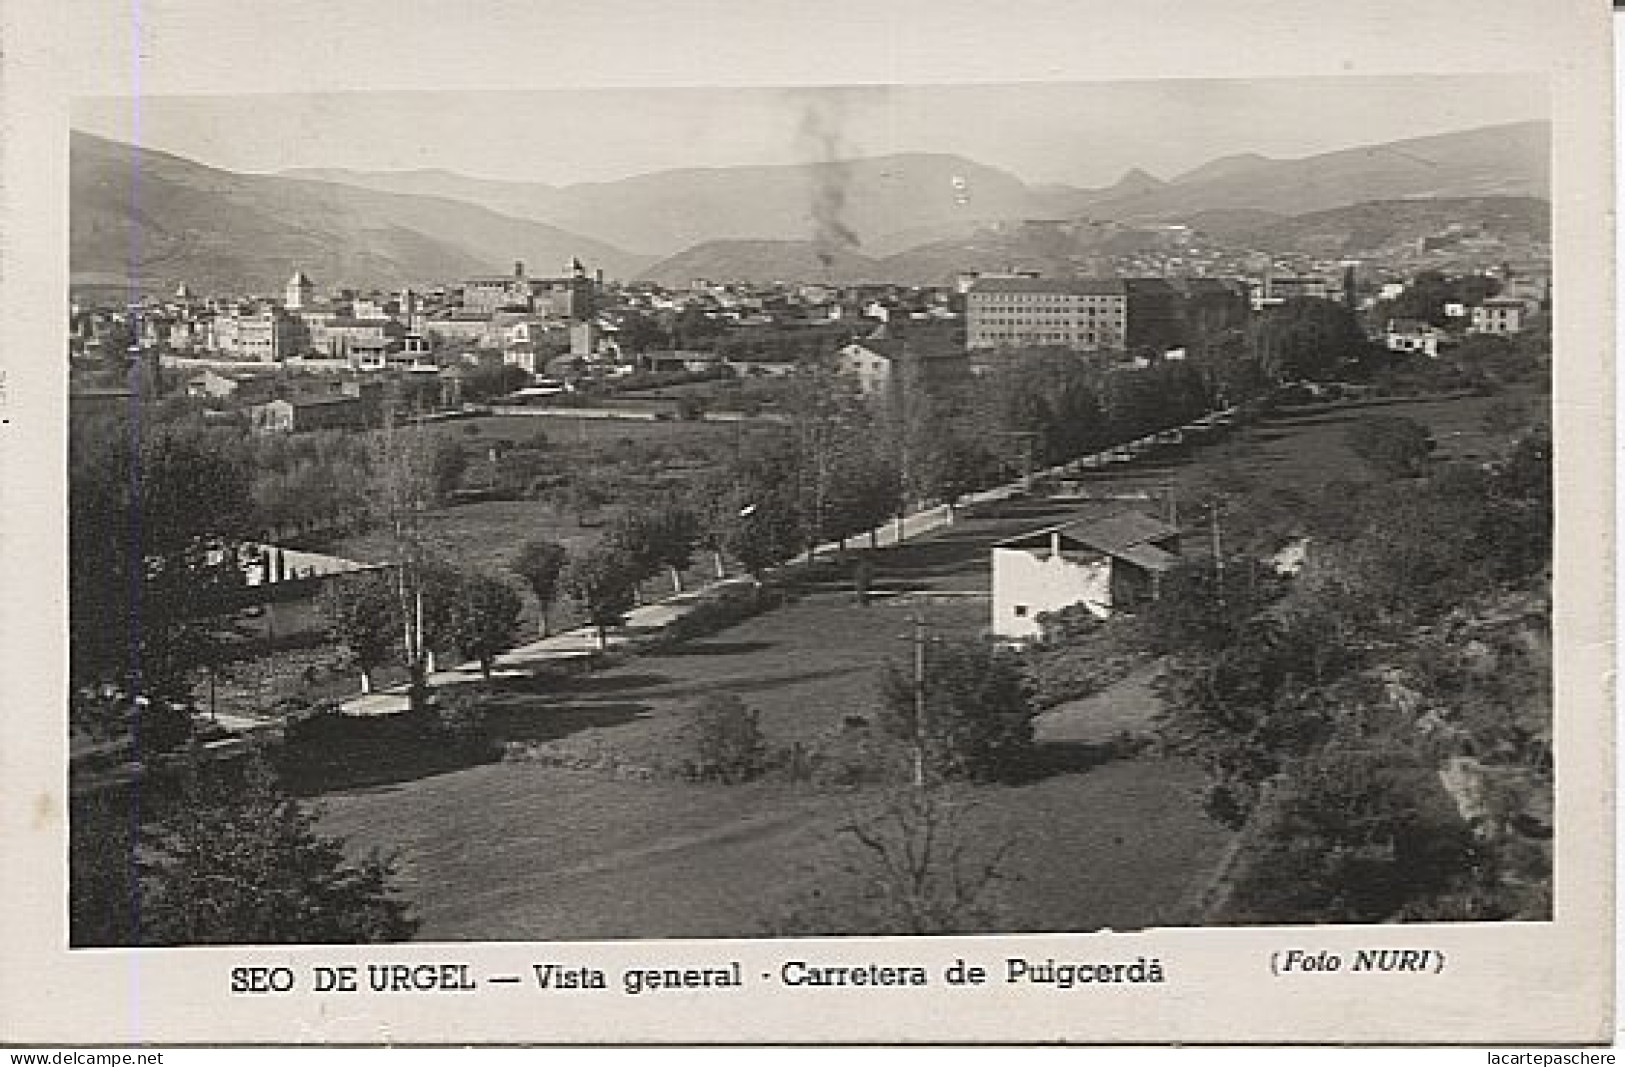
557, 331
362, 331
1521, 294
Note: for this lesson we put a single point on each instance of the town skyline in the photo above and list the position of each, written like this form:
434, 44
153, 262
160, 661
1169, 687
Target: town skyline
1166, 127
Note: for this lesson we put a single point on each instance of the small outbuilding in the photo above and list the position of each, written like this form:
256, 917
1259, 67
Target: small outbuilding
1104, 564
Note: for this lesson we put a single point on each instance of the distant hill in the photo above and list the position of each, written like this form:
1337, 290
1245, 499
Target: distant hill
764, 261
666, 212
1360, 229
1224, 167
1236, 225
524, 200
1506, 160
1067, 247
162, 220
919, 216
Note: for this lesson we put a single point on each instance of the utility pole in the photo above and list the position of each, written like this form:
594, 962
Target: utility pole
920, 732
1218, 552
919, 636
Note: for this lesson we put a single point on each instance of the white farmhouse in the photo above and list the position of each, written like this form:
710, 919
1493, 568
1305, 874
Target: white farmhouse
1103, 565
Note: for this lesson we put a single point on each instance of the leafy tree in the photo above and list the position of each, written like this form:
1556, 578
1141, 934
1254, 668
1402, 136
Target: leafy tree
441, 586
677, 535
1041, 404
822, 412
602, 581
540, 563
1419, 547
447, 463
1394, 446
245, 865
663, 534
460, 722
1307, 338
157, 518
1262, 697
1203, 608
754, 514
765, 532
1424, 298
484, 618
640, 332
363, 614
954, 465
978, 715
103, 877
492, 380
867, 491
695, 328
1358, 832
1142, 401
152, 727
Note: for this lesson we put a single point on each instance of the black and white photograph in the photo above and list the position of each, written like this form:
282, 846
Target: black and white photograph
881, 510
695, 522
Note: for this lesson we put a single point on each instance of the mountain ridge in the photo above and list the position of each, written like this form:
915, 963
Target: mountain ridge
909, 211
233, 232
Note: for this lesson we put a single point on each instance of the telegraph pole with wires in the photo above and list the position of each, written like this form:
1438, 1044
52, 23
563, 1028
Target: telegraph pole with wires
920, 637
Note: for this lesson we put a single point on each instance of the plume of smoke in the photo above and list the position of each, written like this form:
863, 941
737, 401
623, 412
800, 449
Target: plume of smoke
820, 133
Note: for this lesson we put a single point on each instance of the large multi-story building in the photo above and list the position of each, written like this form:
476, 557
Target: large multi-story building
1081, 313
345, 337
1084, 314
569, 297
264, 335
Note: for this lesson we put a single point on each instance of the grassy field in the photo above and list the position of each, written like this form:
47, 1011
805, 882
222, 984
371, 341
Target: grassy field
1304, 448
564, 844
531, 852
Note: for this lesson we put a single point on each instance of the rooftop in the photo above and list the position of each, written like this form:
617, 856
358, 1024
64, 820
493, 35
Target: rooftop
1065, 286
1128, 535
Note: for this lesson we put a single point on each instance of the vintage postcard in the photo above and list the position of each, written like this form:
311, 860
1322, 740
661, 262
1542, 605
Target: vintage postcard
749, 523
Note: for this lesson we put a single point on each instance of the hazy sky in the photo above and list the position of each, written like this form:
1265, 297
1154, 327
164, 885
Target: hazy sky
1079, 133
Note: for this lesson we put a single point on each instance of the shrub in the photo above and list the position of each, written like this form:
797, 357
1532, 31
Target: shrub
855, 754
725, 741
728, 607
1396, 447
979, 713
460, 721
